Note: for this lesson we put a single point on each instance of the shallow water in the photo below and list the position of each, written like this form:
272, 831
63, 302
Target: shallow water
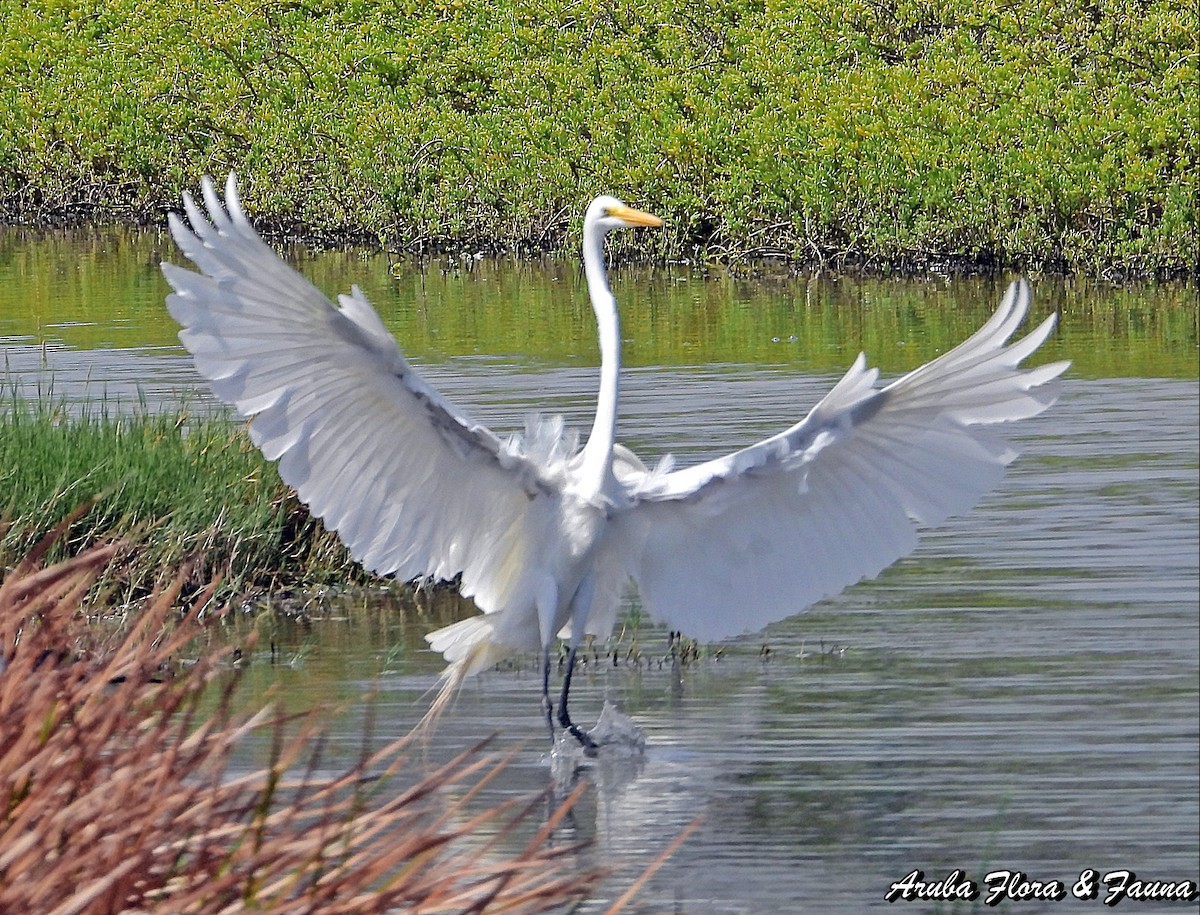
1021, 693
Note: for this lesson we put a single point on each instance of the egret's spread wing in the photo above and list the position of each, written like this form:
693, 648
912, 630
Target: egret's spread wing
735, 543
411, 485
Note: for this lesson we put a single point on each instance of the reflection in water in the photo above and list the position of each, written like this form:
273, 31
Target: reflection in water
95, 289
1020, 693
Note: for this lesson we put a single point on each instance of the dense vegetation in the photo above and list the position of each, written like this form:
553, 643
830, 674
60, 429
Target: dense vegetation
195, 490
890, 132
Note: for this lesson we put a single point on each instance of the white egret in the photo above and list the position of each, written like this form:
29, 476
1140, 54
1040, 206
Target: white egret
545, 535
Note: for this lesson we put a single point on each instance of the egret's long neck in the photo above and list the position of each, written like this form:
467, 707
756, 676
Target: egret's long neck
596, 473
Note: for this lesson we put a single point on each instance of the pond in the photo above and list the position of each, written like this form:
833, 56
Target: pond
1022, 693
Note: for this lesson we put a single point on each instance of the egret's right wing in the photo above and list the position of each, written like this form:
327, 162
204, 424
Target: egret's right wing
733, 544
411, 485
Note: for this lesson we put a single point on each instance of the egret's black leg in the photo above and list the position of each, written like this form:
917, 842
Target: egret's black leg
547, 705
564, 717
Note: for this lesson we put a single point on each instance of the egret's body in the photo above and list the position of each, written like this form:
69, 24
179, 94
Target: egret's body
544, 534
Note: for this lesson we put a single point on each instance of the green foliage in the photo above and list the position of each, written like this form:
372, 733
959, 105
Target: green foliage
893, 132
194, 488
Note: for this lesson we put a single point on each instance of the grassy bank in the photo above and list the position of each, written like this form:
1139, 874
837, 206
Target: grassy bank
192, 490
897, 133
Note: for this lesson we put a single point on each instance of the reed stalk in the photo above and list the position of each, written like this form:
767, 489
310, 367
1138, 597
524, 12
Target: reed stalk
117, 792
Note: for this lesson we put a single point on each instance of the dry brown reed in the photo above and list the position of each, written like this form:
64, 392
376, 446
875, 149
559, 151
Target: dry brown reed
117, 794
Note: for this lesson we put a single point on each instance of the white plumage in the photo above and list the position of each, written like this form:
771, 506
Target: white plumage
545, 535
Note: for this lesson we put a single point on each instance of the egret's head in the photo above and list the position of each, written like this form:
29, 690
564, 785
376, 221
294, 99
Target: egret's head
608, 213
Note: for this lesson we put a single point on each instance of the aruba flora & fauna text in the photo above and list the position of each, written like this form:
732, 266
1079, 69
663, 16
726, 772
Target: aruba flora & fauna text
1114, 886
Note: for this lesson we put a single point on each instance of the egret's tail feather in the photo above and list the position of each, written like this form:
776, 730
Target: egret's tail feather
457, 641
469, 647
448, 685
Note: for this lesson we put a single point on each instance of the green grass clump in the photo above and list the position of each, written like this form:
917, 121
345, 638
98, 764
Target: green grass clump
189, 488
890, 132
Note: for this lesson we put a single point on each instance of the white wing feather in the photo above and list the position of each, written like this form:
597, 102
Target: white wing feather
412, 486
733, 544
415, 488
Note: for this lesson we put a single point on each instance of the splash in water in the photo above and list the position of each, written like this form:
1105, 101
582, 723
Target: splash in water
616, 737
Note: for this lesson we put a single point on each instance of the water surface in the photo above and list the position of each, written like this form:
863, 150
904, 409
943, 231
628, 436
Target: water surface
1021, 693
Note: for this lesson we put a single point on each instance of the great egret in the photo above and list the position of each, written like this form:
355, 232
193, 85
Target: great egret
545, 535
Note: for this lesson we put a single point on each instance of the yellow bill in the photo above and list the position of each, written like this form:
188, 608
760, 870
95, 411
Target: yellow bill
634, 217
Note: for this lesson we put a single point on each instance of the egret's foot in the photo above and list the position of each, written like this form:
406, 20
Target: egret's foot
590, 747
585, 739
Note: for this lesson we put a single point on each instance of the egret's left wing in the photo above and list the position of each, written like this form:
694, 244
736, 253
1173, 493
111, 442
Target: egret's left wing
411, 485
733, 544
